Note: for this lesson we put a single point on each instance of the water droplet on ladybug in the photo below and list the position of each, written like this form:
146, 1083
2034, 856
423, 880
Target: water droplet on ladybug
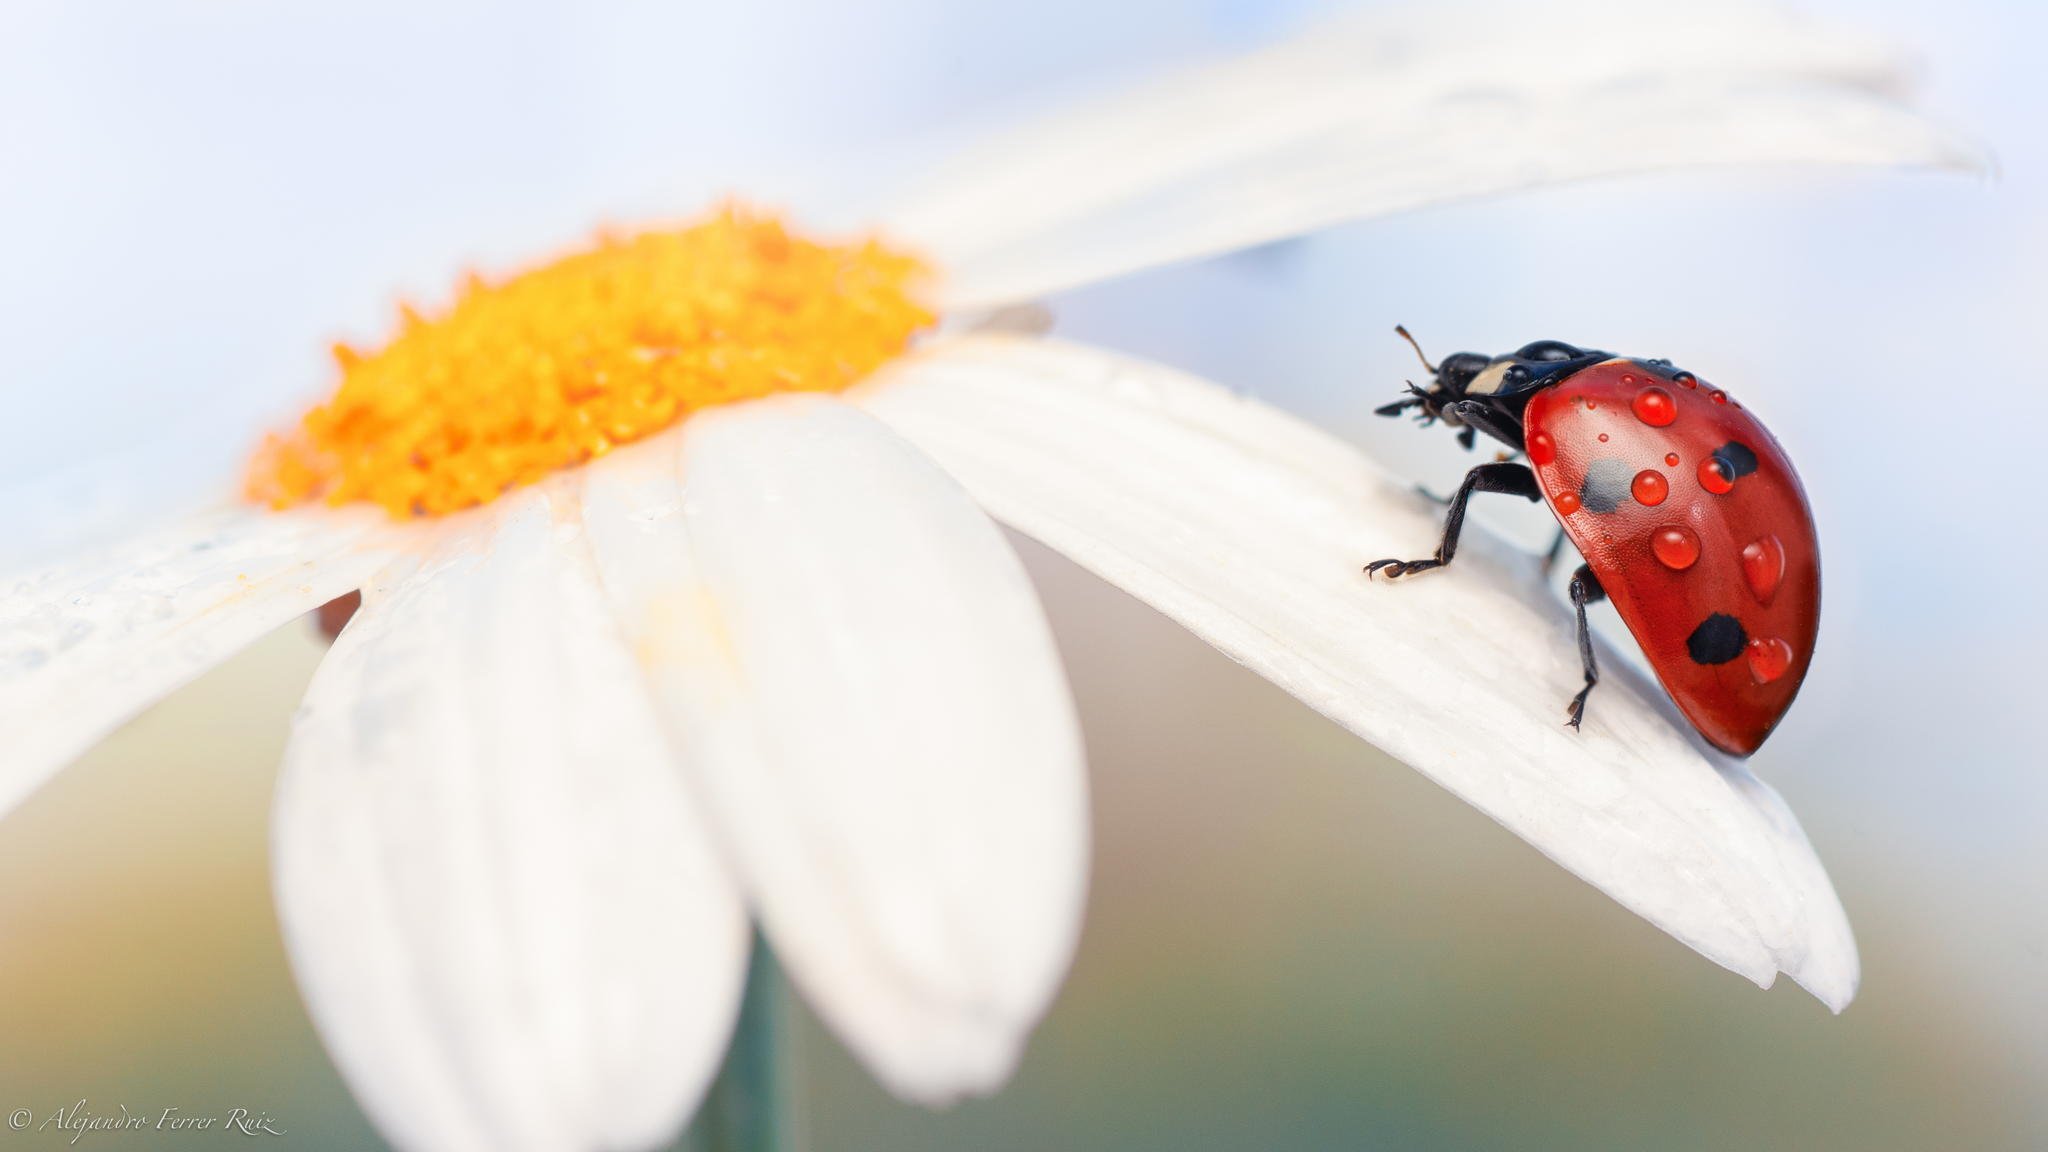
1603, 437
1763, 567
1567, 503
1655, 407
1714, 476
1676, 547
1590, 405
1650, 487
1769, 657
1542, 449
1718, 396
1627, 379
1671, 459
1687, 380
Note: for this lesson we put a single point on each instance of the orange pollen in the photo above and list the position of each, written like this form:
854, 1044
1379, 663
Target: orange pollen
557, 365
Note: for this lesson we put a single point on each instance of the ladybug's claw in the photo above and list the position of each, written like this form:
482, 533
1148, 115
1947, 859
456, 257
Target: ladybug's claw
1576, 710
1395, 569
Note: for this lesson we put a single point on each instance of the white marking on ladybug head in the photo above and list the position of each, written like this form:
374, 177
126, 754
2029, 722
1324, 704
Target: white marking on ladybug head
1490, 378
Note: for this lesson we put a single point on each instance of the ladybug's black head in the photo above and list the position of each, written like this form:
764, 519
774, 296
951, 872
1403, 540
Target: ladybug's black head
1472, 392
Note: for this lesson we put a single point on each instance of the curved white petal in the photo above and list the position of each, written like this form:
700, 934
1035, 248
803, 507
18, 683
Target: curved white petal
1250, 528
88, 643
881, 726
1400, 110
507, 919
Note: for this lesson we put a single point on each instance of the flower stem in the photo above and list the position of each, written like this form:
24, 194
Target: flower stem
749, 1107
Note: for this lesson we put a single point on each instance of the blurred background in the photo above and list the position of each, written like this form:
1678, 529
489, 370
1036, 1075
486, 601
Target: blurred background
1293, 943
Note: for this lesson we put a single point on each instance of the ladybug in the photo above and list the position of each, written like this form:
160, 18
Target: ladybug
1687, 512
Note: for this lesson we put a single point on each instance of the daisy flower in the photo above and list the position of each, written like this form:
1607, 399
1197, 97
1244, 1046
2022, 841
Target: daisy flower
685, 608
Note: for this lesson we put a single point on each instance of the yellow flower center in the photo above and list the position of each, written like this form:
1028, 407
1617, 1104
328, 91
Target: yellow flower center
556, 365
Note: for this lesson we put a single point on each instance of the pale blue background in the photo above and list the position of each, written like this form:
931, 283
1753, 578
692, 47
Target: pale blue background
195, 198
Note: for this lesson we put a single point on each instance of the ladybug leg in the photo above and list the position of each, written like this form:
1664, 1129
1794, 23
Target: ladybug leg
1585, 590
1508, 479
1480, 417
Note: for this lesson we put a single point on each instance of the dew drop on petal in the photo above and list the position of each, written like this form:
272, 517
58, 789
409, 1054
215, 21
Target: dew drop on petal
1655, 407
1650, 487
1714, 476
1676, 547
1763, 567
1769, 657
1542, 449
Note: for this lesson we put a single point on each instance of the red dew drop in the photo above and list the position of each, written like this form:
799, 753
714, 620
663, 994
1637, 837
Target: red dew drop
1590, 405
1655, 407
1763, 567
1769, 657
1676, 548
1671, 459
1650, 487
1718, 396
1714, 476
1603, 437
1627, 379
1567, 503
1542, 449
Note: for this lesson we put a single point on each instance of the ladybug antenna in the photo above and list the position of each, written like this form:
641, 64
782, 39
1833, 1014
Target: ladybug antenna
1403, 332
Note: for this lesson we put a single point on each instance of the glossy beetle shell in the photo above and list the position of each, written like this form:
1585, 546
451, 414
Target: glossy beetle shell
1694, 521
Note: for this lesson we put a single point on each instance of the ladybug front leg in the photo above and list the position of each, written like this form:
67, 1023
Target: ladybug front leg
1508, 479
1585, 590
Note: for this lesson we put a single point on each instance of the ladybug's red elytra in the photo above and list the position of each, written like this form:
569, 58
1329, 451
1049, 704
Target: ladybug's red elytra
1688, 513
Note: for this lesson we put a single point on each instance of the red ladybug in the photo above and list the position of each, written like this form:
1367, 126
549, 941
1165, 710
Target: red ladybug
1687, 511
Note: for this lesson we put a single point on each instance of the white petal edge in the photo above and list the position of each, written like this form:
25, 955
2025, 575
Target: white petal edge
1250, 528
509, 923
878, 718
1399, 110
87, 643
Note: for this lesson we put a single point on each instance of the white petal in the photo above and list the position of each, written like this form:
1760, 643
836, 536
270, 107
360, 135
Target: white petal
509, 923
1401, 110
1250, 528
88, 643
884, 732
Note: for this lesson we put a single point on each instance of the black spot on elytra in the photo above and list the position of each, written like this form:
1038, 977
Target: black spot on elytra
1736, 460
1717, 640
1606, 484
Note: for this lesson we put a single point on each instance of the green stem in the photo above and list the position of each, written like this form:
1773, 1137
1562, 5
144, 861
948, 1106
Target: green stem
750, 1106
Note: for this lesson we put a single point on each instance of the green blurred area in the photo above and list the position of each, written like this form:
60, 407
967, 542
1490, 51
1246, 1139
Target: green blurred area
1292, 943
